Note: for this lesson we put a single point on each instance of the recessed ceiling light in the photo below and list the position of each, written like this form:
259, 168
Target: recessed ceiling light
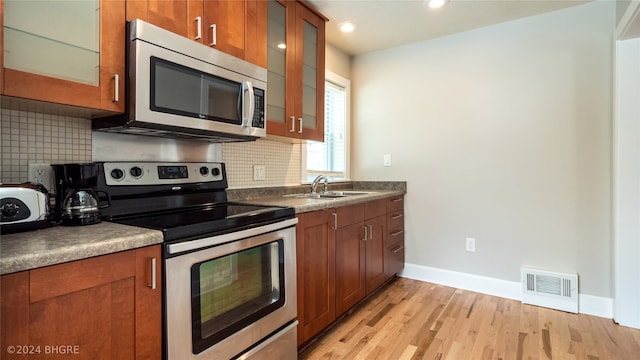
434, 4
347, 27
282, 46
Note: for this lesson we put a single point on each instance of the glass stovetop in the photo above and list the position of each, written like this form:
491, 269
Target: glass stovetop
184, 224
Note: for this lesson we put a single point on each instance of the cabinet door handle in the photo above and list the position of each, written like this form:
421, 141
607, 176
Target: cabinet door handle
335, 221
397, 200
153, 283
213, 35
400, 247
198, 28
300, 126
396, 217
399, 232
293, 124
370, 232
365, 233
116, 88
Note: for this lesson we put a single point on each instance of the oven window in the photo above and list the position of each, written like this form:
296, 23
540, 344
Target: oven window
177, 89
230, 292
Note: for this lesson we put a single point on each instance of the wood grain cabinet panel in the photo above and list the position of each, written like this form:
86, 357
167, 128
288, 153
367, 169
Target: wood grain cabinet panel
167, 14
315, 258
98, 308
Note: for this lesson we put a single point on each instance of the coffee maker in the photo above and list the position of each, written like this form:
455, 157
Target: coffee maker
78, 202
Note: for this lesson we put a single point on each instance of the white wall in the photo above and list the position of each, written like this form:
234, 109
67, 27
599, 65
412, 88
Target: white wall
504, 135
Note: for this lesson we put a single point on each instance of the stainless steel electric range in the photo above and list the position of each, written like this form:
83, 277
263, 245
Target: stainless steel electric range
229, 268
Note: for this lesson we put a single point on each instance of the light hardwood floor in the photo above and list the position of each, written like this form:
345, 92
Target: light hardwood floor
410, 319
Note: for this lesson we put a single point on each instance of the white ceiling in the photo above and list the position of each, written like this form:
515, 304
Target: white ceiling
383, 24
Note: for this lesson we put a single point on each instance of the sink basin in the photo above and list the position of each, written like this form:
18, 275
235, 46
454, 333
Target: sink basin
331, 194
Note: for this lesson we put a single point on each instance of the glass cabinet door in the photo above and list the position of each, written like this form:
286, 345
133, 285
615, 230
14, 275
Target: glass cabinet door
295, 62
277, 48
310, 39
309, 76
54, 38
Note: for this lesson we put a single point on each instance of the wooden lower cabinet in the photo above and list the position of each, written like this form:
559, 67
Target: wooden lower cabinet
315, 259
342, 256
97, 308
360, 266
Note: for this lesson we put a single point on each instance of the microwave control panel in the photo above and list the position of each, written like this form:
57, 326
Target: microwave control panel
258, 115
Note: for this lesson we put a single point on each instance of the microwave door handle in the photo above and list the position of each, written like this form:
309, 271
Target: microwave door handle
247, 116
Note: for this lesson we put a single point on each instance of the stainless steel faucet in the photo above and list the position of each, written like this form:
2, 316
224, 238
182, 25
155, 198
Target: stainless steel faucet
316, 181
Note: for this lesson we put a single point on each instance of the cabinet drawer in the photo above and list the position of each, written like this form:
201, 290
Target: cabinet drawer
394, 237
375, 208
348, 215
395, 203
395, 220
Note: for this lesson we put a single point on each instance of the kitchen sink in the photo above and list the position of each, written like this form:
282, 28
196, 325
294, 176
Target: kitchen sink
331, 194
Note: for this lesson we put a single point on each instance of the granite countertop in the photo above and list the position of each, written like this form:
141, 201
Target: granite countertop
283, 196
60, 244
302, 204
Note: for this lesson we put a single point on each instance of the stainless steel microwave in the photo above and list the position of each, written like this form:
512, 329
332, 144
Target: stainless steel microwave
183, 89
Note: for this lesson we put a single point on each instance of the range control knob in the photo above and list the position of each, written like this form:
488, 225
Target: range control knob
117, 174
135, 171
204, 170
215, 171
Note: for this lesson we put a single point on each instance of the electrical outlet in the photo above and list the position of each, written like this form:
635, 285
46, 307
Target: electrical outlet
259, 172
471, 245
41, 174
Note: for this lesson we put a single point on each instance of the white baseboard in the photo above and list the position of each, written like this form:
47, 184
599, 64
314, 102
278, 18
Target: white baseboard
588, 304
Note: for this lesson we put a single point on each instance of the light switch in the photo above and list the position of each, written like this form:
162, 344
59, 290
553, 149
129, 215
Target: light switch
387, 159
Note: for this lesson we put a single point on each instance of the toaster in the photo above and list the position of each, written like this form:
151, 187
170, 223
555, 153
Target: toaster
23, 207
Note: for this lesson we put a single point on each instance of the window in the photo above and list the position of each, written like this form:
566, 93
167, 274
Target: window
331, 157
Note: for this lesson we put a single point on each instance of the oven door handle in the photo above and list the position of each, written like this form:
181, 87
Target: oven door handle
185, 246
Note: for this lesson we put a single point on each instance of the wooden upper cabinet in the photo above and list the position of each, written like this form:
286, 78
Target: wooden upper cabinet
238, 28
167, 14
296, 61
97, 308
65, 52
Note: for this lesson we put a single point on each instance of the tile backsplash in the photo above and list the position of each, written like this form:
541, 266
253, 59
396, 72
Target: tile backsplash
33, 137
39, 137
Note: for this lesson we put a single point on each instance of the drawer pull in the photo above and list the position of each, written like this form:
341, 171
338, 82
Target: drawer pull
396, 217
399, 232
397, 249
153, 283
397, 200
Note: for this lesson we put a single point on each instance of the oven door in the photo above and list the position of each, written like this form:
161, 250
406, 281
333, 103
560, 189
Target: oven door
230, 295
